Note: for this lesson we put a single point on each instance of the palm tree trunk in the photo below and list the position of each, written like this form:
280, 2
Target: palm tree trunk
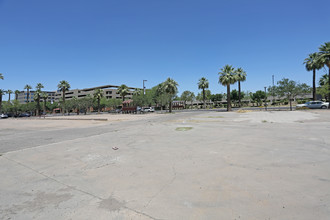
9, 97
228, 98
27, 96
314, 86
63, 101
38, 107
44, 106
239, 94
204, 99
98, 106
170, 106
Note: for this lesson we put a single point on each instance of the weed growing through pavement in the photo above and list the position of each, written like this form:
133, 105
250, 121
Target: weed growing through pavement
183, 128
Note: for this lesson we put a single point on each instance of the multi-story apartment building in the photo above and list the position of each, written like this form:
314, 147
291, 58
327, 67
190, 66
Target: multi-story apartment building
22, 96
109, 92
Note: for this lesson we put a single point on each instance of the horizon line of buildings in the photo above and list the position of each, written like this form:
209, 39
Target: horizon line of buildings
109, 92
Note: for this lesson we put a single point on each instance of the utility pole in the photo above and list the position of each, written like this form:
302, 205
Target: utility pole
144, 88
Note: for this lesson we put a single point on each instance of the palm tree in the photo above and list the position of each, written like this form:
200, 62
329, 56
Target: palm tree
227, 77
171, 88
98, 94
241, 77
1, 76
27, 87
324, 57
44, 96
312, 63
16, 94
203, 84
63, 86
37, 96
123, 91
9, 92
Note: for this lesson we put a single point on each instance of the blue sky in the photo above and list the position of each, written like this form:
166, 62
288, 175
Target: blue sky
93, 43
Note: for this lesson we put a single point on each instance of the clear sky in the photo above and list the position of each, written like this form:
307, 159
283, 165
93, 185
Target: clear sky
99, 42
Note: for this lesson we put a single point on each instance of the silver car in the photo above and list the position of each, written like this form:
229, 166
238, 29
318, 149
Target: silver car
314, 104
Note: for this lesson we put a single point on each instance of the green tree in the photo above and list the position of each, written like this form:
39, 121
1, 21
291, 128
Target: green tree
216, 98
27, 87
258, 96
324, 57
236, 96
203, 84
241, 77
227, 77
1, 76
63, 86
170, 87
85, 103
187, 96
98, 94
290, 89
312, 63
123, 91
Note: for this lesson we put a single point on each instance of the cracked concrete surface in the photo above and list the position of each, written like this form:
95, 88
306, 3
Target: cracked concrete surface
229, 166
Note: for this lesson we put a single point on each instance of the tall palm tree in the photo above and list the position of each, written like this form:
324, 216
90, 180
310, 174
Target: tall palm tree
324, 57
27, 87
98, 94
44, 96
123, 91
170, 87
16, 94
9, 92
312, 63
63, 86
1, 76
227, 77
37, 96
203, 84
241, 77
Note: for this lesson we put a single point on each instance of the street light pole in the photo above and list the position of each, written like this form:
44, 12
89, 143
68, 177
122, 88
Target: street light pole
144, 88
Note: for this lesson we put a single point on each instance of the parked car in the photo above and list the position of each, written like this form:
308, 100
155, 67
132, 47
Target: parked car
313, 104
24, 115
150, 109
3, 116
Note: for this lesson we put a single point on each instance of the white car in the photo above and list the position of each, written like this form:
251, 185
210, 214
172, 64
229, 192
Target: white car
3, 116
314, 104
151, 109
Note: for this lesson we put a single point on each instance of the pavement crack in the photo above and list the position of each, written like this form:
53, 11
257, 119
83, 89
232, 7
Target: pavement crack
164, 187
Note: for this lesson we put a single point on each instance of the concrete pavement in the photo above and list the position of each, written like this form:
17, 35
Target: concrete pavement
254, 165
